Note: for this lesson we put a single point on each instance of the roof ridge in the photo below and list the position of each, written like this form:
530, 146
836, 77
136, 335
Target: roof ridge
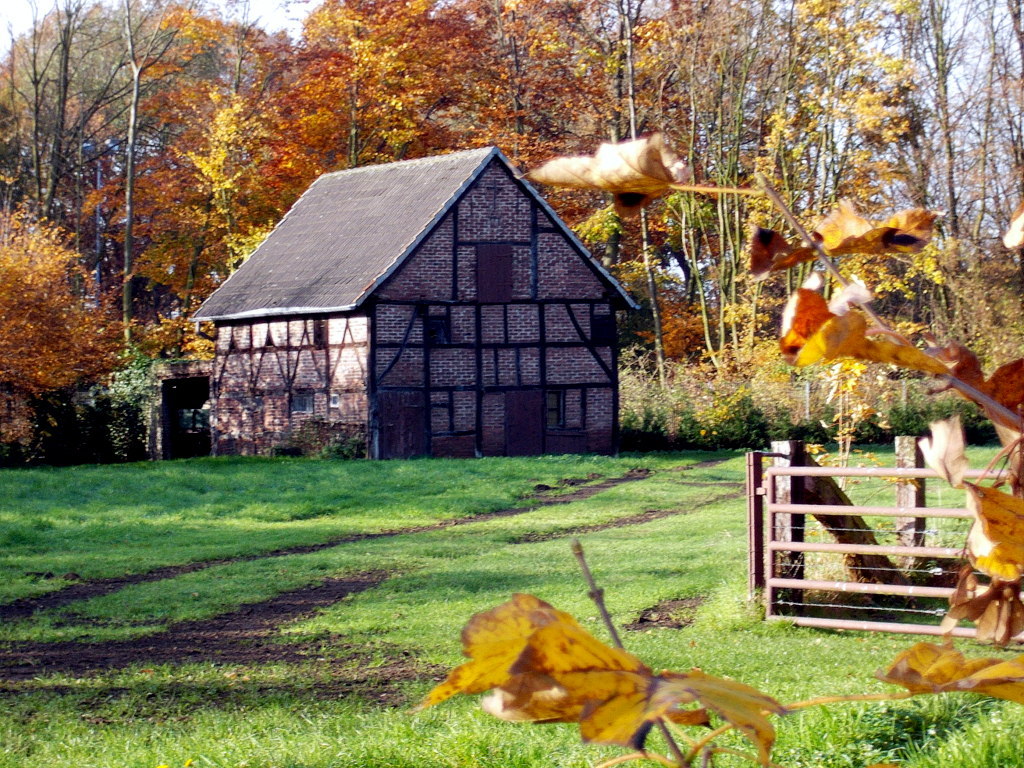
482, 151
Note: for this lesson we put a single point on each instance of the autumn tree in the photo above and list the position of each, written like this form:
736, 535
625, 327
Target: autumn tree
53, 333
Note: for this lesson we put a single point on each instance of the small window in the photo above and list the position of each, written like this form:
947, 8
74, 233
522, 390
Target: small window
193, 419
335, 400
438, 330
555, 403
302, 403
320, 333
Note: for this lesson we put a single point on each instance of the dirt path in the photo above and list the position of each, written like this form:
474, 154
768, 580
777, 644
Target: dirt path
246, 635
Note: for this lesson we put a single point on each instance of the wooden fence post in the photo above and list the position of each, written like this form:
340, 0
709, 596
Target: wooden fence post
788, 527
755, 524
910, 531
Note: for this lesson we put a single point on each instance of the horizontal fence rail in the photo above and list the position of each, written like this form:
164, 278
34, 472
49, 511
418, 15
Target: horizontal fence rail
872, 567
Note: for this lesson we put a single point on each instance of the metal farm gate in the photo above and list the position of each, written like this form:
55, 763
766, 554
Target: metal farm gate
889, 565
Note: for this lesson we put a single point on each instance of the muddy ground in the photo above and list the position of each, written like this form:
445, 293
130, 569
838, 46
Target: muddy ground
248, 636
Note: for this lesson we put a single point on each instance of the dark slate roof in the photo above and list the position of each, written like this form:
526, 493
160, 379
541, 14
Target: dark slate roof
347, 233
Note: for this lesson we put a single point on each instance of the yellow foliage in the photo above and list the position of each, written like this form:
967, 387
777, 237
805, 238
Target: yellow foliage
544, 667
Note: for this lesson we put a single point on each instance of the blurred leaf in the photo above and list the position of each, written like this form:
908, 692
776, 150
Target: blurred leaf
738, 704
805, 313
770, 252
1014, 237
929, 668
845, 336
544, 667
996, 540
635, 172
944, 451
997, 611
844, 230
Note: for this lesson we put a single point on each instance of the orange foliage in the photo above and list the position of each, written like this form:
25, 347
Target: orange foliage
51, 337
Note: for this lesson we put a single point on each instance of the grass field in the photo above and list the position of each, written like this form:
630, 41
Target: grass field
288, 613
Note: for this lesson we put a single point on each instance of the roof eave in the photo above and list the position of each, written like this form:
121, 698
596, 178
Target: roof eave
252, 314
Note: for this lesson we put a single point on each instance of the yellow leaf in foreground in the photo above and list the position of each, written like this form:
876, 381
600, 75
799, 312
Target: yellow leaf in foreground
996, 540
493, 640
929, 668
845, 336
544, 667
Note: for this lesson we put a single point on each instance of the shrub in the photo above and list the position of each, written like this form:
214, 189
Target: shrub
323, 439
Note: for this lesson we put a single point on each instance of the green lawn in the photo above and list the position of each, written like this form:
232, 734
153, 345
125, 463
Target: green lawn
378, 651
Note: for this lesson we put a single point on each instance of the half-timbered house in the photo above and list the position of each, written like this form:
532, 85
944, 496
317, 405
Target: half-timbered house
438, 305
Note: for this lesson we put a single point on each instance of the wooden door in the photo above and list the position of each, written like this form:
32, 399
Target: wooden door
494, 273
402, 430
524, 422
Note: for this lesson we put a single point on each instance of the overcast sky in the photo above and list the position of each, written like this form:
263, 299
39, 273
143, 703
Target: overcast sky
272, 15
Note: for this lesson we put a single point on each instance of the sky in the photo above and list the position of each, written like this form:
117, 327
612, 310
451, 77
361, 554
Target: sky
272, 15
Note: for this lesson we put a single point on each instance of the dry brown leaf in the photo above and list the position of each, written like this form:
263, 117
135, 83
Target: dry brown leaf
805, 313
1010, 437
1005, 385
929, 668
770, 252
912, 230
944, 450
997, 611
842, 225
844, 230
635, 172
1014, 237
962, 362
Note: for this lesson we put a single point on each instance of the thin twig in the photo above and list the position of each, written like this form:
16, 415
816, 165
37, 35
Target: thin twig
597, 595
713, 190
821, 701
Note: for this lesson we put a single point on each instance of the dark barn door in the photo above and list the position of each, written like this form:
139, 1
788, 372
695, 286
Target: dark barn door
402, 420
186, 430
524, 422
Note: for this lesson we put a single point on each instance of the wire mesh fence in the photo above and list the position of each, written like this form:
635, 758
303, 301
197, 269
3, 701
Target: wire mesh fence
875, 557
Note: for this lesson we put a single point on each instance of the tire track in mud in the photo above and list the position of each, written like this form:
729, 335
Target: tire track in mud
88, 589
241, 636
246, 635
